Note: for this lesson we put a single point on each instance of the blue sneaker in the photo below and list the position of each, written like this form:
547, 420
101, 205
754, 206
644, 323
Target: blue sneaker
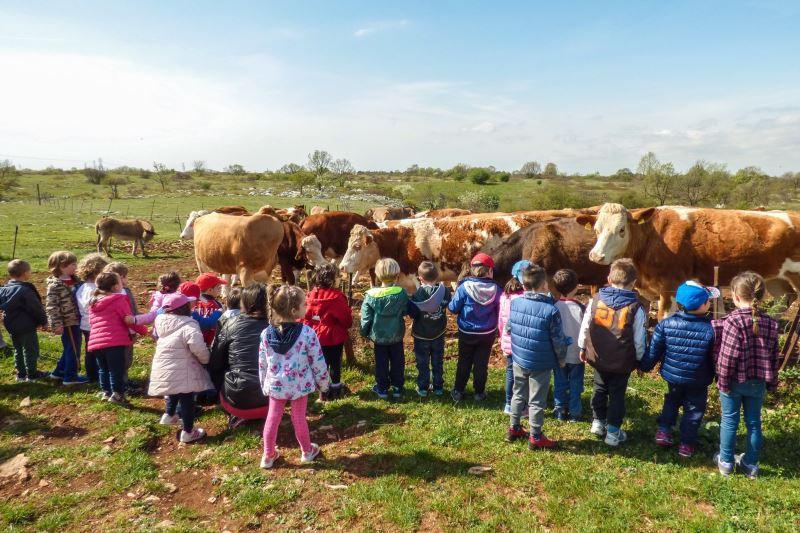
560, 414
422, 393
750, 471
438, 392
383, 395
77, 380
456, 396
397, 394
726, 469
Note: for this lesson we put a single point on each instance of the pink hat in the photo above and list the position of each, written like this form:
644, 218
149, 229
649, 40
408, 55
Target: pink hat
175, 300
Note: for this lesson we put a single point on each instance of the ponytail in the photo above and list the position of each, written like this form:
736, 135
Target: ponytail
750, 287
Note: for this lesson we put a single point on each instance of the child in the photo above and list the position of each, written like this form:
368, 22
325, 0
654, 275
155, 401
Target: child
568, 380
477, 303
109, 335
427, 310
613, 340
167, 284
121, 270
233, 302
746, 349
88, 268
511, 291
538, 346
63, 316
208, 307
176, 370
290, 367
23, 313
684, 344
330, 316
382, 321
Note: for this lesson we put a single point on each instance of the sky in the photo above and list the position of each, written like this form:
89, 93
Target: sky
588, 85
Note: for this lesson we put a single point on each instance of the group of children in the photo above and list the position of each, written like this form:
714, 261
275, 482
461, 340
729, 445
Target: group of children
299, 350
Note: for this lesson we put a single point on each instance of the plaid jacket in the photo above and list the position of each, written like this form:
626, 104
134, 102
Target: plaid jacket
740, 355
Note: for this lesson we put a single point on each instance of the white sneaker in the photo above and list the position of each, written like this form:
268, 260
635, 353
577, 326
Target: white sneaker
615, 438
192, 436
310, 456
103, 395
267, 463
507, 409
118, 398
598, 428
167, 420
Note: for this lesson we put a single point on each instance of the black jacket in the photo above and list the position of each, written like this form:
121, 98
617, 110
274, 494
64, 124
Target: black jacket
22, 307
234, 361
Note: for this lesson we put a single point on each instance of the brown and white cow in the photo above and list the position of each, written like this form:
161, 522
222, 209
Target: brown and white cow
443, 213
318, 210
384, 213
245, 246
671, 244
291, 255
332, 230
137, 230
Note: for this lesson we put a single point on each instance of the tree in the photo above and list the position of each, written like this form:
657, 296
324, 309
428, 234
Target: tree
695, 187
162, 175
623, 174
114, 182
199, 166
478, 176
319, 162
479, 201
550, 171
531, 169
659, 182
94, 176
793, 179
413, 170
7, 168
458, 172
342, 169
236, 169
747, 174
291, 168
647, 164
503, 177
302, 179
752, 193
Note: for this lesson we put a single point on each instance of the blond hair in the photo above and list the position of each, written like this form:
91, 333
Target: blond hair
750, 287
117, 267
622, 272
60, 259
105, 282
285, 300
387, 269
90, 266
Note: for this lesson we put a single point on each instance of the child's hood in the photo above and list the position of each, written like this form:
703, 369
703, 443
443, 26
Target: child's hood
388, 301
616, 298
108, 301
324, 294
282, 337
482, 291
429, 297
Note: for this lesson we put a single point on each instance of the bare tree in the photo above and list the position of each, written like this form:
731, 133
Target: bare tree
162, 175
342, 169
6, 168
531, 169
319, 162
114, 182
199, 166
291, 168
647, 164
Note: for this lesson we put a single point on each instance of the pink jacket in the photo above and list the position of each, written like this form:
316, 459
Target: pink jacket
107, 326
502, 319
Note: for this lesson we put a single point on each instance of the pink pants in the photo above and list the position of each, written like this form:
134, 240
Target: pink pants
274, 416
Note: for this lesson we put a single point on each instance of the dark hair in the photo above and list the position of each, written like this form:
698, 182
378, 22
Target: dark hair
479, 271
169, 282
184, 310
533, 276
428, 272
622, 272
18, 267
105, 282
565, 281
325, 275
234, 299
285, 299
253, 300
513, 285
750, 287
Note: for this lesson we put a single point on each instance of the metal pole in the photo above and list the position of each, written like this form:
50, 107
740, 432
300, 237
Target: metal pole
14, 249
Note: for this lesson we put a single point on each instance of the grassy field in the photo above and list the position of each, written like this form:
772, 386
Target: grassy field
388, 466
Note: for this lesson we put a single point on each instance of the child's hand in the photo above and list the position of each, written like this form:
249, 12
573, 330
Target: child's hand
562, 364
129, 320
582, 356
59, 330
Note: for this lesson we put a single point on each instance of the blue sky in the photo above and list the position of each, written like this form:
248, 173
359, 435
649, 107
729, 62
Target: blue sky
589, 85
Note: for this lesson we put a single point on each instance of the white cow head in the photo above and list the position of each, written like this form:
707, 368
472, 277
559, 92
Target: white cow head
614, 226
362, 251
188, 230
313, 249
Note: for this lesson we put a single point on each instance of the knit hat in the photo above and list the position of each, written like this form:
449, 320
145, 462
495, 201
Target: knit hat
189, 289
518, 267
692, 295
209, 281
482, 259
175, 300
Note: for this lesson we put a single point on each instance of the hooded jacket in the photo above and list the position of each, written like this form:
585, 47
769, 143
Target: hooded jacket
537, 337
61, 307
685, 344
427, 309
477, 303
22, 307
329, 314
180, 353
290, 362
234, 361
502, 320
107, 322
382, 314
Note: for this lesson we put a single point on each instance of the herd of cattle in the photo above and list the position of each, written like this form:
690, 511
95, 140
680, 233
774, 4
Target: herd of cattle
667, 244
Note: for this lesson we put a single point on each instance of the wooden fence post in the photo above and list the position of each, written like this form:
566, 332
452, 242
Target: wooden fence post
14, 249
38, 194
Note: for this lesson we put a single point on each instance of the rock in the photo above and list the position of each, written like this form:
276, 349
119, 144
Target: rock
331, 436
43, 483
23, 474
109, 440
152, 499
171, 487
14, 466
361, 423
165, 524
325, 428
335, 487
132, 495
58, 461
212, 499
26, 402
479, 470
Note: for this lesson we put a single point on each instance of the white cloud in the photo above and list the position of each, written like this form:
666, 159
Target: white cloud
380, 26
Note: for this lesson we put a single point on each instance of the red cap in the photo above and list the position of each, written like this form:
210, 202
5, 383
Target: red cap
482, 259
189, 289
209, 281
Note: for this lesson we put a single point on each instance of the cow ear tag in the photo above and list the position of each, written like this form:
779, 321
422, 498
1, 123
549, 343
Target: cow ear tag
641, 221
588, 226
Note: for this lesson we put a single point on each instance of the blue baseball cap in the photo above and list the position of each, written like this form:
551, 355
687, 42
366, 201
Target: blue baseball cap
518, 267
692, 295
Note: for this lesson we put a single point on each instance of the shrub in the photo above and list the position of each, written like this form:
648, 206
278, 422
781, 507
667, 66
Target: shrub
205, 185
94, 176
478, 176
560, 197
503, 177
479, 201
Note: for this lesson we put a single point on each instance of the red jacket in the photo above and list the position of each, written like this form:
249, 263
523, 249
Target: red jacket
329, 314
107, 326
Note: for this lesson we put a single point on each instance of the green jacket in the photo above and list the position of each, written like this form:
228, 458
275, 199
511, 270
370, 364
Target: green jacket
382, 314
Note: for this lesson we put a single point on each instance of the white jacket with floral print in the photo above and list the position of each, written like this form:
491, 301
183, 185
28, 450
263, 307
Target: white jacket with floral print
297, 373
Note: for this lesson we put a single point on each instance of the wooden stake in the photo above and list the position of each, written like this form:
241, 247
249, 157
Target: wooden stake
108, 209
38, 194
719, 305
791, 340
14, 249
152, 208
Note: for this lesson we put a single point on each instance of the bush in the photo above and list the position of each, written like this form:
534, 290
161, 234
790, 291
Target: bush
503, 177
205, 185
479, 201
631, 200
560, 197
478, 176
94, 176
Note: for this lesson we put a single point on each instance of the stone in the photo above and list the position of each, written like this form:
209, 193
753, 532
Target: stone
14, 466
165, 524
212, 499
152, 499
109, 440
325, 428
171, 487
361, 423
335, 487
43, 483
479, 470
26, 402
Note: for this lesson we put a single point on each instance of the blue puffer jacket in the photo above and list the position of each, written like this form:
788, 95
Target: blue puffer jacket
477, 304
537, 337
684, 342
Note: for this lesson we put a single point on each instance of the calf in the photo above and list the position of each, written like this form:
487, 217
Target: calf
137, 230
332, 230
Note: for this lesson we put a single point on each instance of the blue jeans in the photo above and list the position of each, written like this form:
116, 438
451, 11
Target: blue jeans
183, 404
509, 379
568, 387
693, 399
429, 355
390, 366
111, 368
67, 367
89, 363
747, 397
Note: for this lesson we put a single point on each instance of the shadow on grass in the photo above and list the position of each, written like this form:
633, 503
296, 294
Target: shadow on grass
12, 422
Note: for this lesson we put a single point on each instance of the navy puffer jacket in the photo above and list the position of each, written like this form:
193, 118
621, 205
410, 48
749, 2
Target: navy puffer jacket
684, 342
537, 336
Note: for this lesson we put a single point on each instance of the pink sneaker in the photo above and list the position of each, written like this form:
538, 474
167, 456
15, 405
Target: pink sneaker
686, 450
663, 438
